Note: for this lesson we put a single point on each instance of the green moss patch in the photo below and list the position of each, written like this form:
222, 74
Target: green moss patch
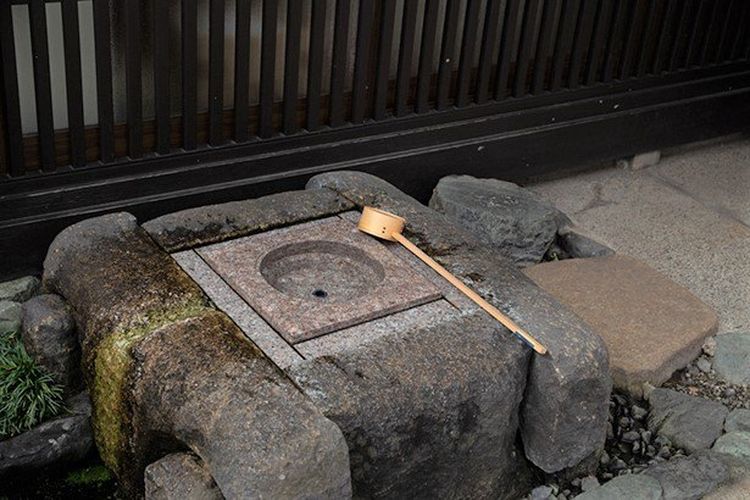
89, 476
112, 366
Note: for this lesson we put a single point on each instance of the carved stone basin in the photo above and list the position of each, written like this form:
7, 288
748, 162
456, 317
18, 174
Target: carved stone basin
322, 270
318, 277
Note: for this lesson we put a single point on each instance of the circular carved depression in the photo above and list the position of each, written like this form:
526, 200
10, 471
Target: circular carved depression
321, 270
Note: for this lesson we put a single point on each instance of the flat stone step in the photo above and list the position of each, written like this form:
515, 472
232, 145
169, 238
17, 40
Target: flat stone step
652, 326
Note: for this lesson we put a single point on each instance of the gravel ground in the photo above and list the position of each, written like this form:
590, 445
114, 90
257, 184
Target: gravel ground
698, 379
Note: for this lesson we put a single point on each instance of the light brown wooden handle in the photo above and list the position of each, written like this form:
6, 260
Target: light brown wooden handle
471, 294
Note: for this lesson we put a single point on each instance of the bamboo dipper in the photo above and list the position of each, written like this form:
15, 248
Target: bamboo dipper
387, 226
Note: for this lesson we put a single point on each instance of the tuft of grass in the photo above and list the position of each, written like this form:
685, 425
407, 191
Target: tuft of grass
96, 474
28, 394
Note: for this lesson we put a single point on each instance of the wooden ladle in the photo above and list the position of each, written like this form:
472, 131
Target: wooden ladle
387, 226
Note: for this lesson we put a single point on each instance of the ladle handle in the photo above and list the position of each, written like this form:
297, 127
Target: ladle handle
474, 296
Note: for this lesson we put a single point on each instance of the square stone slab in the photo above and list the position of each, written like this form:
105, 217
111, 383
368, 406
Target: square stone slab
652, 326
314, 278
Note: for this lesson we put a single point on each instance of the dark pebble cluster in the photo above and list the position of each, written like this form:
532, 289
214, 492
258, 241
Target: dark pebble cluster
631, 447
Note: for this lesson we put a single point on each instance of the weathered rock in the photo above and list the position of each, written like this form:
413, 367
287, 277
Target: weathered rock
65, 439
589, 483
689, 478
212, 223
541, 493
578, 244
445, 404
201, 383
651, 325
509, 219
631, 487
10, 318
738, 420
735, 444
168, 372
20, 289
732, 358
180, 476
564, 412
49, 338
689, 422
737, 486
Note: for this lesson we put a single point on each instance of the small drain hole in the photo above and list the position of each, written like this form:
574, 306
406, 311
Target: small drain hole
321, 294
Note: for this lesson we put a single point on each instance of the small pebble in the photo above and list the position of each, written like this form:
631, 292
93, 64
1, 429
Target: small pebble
589, 483
631, 436
638, 412
709, 346
604, 459
703, 364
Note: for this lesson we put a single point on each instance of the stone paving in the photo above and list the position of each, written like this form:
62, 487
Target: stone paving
688, 217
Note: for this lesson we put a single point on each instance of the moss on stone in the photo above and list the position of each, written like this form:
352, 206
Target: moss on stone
112, 366
94, 475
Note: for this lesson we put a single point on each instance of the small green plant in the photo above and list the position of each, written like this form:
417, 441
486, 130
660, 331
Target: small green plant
28, 394
89, 476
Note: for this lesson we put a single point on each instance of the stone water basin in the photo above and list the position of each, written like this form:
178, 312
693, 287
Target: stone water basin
318, 277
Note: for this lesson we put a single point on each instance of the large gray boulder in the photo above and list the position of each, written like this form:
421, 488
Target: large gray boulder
506, 217
61, 440
630, 487
180, 476
564, 411
738, 420
428, 413
690, 423
49, 338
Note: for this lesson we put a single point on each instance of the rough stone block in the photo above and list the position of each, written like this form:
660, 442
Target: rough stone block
651, 325
738, 420
689, 478
209, 224
11, 316
50, 339
512, 221
631, 487
735, 444
564, 413
732, 358
180, 476
431, 412
201, 383
691, 423
20, 289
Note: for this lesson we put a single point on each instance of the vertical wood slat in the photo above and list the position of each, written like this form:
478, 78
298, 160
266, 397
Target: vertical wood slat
729, 16
550, 16
103, 57
315, 63
133, 78
42, 84
242, 70
648, 40
73, 83
631, 43
338, 64
599, 38
676, 55
387, 21
447, 50
161, 74
711, 32
468, 48
742, 29
695, 37
291, 64
564, 43
11, 109
615, 43
667, 29
405, 57
189, 73
427, 55
215, 72
493, 24
529, 37
506, 48
267, 67
362, 60
581, 41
